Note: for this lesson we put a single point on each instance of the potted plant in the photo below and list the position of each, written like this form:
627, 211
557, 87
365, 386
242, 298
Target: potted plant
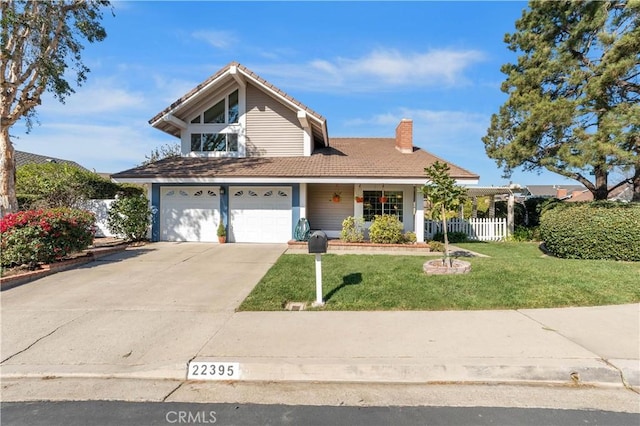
222, 233
336, 197
359, 198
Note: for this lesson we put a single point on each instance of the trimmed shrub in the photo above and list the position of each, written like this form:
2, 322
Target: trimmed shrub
386, 229
352, 230
130, 217
597, 230
522, 233
436, 246
409, 237
43, 236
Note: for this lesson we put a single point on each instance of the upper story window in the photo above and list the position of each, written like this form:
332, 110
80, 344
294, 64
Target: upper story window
214, 142
223, 112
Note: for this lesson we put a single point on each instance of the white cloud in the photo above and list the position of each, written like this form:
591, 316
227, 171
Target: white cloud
381, 70
97, 98
105, 148
217, 39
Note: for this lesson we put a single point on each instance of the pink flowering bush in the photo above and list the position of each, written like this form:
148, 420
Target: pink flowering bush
43, 236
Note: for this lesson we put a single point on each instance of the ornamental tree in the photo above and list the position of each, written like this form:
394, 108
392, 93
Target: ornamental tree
40, 43
444, 194
573, 94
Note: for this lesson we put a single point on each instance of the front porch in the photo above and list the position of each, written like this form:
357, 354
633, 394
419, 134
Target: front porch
326, 206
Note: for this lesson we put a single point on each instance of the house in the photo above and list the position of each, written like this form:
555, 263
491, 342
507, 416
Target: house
576, 193
259, 160
24, 158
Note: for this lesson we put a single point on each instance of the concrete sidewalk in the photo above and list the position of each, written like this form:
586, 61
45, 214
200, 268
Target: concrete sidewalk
145, 313
597, 346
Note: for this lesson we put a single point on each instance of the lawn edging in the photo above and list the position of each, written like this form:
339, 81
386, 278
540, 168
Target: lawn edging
90, 255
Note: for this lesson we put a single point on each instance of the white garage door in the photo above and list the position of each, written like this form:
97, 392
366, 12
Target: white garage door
260, 214
189, 213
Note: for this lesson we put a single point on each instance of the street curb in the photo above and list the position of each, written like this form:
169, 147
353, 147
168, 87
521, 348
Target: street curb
547, 372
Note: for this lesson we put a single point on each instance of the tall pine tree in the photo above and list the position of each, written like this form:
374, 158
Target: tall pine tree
573, 95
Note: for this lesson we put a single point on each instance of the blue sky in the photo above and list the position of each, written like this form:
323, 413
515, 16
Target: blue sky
363, 65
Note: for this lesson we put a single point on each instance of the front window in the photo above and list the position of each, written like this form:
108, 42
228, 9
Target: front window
382, 202
214, 142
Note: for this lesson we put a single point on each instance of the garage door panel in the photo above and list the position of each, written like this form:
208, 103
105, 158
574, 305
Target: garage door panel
189, 213
260, 214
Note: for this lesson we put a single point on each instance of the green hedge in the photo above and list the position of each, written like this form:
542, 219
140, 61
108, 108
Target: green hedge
34, 236
597, 230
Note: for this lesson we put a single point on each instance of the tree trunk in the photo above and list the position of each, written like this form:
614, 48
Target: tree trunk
447, 259
8, 201
601, 190
635, 183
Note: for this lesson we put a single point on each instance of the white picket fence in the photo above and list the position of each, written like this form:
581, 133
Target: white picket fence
476, 229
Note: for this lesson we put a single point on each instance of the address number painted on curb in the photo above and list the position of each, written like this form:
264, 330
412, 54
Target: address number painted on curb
209, 370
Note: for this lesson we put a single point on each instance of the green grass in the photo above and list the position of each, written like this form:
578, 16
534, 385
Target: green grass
517, 275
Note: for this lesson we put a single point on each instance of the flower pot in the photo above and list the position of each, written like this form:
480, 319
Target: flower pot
359, 199
383, 199
222, 239
336, 199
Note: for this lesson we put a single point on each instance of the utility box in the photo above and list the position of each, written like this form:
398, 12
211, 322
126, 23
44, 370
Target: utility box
318, 242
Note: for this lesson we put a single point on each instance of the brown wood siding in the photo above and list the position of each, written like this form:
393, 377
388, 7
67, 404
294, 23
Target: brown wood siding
273, 130
322, 212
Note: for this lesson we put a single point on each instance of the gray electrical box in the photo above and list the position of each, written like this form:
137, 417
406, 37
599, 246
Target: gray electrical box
318, 242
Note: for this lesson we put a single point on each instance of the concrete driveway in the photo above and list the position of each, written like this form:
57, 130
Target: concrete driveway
143, 311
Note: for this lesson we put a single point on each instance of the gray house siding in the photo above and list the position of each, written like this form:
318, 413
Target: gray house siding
272, 130
322, 212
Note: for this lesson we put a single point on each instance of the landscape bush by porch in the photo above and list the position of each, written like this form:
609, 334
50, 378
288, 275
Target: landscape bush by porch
34, 236
597, 230
130, 217
352, 230
386, 229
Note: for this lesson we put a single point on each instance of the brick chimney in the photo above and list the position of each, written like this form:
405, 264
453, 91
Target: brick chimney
404, 136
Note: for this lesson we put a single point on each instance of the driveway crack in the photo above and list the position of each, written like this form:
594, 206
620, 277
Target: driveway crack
41, 338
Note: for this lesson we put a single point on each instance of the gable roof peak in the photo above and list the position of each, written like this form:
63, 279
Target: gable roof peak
166, 119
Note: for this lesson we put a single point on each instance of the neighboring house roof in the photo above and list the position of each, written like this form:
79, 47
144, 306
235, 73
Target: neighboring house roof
24, 158
552, 190
351, 159
621, 193
164, 120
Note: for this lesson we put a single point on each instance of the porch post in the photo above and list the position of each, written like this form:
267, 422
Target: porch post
419, 215
510, 215
303, 200
492, 206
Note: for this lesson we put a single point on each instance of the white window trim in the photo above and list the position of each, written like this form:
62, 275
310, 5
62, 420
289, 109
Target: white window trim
238, 128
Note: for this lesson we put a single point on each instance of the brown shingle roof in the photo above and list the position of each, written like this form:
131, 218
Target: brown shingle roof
345, 158
247, 71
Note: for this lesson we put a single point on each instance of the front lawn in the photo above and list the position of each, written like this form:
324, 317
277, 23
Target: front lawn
517, 275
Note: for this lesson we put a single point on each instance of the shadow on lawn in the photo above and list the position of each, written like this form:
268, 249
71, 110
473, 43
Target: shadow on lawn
351, 279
